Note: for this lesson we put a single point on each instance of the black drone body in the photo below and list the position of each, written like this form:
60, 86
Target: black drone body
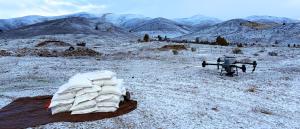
230, 65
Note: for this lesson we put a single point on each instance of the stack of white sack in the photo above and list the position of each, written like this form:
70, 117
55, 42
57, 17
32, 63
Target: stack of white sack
84, 93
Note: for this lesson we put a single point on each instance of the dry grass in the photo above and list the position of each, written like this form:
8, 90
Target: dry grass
262, 110
256, 25
173, 47
252, 89
80, 51
53, 43
237, 50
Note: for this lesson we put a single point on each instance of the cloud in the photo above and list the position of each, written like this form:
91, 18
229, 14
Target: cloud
48, 7
224, 9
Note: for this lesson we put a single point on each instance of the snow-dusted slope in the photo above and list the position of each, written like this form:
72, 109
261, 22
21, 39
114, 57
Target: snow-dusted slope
198, 19
243, 31
9, 24
270, 19
127, 21
162, 26
73, 25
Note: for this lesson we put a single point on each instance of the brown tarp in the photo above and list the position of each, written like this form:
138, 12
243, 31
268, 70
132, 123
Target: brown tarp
31, 112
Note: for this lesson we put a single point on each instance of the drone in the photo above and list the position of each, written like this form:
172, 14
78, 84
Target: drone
230, 65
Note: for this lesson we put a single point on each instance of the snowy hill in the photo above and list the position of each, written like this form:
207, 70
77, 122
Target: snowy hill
270, 19
198, 20
73, 25
127, 21
243, 31
162, 26
8, 24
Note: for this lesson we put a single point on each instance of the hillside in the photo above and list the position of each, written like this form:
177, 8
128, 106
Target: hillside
162, 26
243, 31
73, 25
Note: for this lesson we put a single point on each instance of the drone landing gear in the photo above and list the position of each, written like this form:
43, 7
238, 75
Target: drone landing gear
229, 74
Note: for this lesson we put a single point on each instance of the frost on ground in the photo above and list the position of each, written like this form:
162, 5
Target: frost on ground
173, 91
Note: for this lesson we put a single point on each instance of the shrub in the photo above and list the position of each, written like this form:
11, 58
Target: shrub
256, 54
5, 53
82, 44
237, 51
273, 54
175, 52
159, 38
193, 49
146, 38
239, 45
221, 41
197, 40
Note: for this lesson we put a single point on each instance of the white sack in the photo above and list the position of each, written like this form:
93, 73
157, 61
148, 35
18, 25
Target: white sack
108, 104
100, 75
84, 105
116, 90
111, 82
88, 90
66, 88
85, 97
106, 109
65, 96
62, 108
60, 102
85, 111
108, 98
75, 83
84, 93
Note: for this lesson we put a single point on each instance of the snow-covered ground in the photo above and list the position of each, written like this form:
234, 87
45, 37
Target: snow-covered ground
173, 91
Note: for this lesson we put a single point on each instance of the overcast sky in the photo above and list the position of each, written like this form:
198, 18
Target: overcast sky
223, 9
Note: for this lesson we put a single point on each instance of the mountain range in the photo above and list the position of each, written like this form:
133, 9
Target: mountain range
253, 29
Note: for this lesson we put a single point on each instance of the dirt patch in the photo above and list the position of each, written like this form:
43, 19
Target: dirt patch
79, 51
53, 43
173, 47
31, 112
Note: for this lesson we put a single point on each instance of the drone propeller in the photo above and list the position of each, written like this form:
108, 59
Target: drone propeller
254, 66
243, 67
219, 60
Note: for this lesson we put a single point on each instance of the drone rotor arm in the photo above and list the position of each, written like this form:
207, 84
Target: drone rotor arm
243, 67
205, 64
